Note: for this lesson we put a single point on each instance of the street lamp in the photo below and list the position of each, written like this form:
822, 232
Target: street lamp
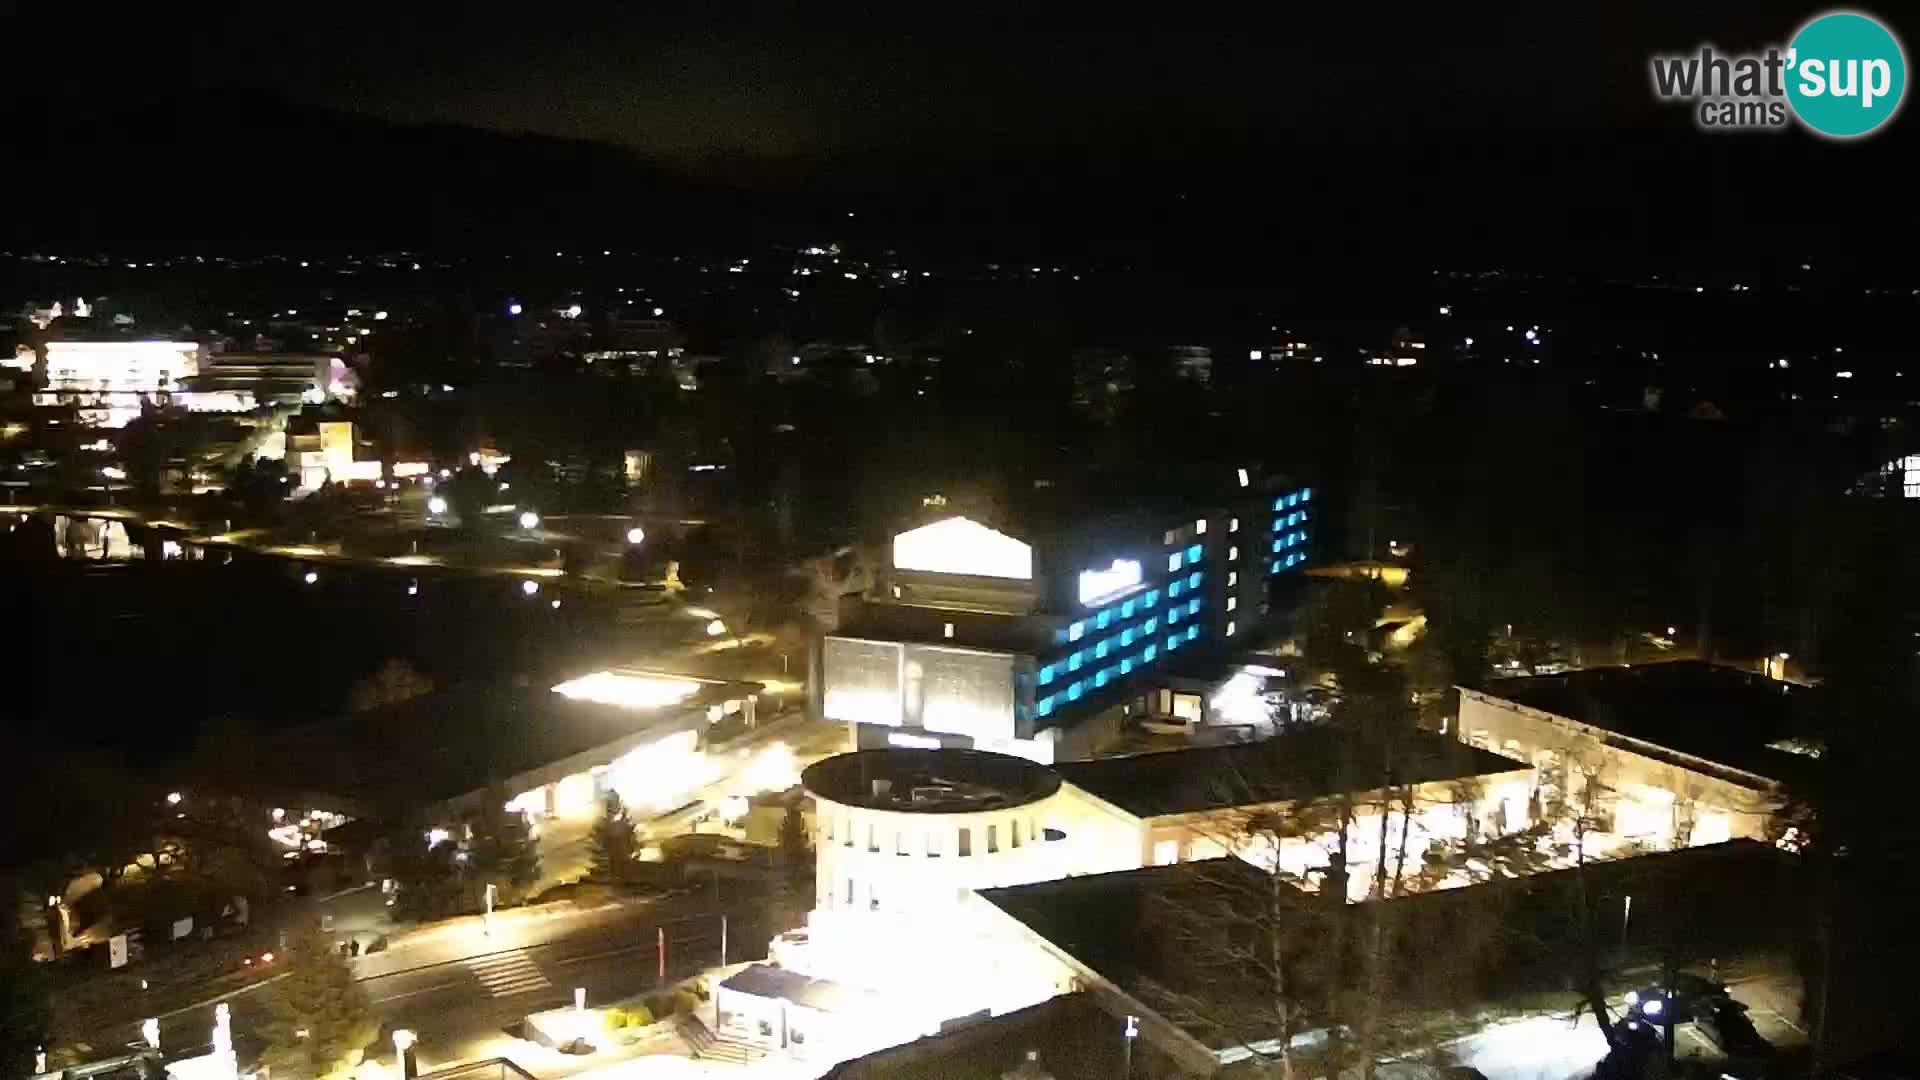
636, 534
530, 587
529, 520
403, 1040
436, 505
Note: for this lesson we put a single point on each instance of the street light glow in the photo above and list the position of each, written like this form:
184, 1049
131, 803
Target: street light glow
627, 691
530, 587
173, 798
312, 576
636, 534
529, 520
436, 505
716, 628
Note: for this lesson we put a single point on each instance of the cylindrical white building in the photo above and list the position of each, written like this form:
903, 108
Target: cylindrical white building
902, 837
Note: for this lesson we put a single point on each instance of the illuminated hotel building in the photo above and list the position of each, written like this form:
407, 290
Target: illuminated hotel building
110, 381
977, 638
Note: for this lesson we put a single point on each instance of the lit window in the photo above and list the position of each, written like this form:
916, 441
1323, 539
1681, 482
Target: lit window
1046, 675
896, 592
1173, 642
946, 630
1193, 606
1074, 631
965, 849
1293, 499
1174, 616
1233, 525
1100, 679
1233, 578
1100, 651
1277, 545
1233, 553
1276, 567
1244, 478
1076, 691
1152, 598
1101, 620
1192, 632
1194, 553
1193, 580
1126, 610
1126, 638
1232, 601
1073, 662
1278, 503
1126, 666
1173, 562
1044, 706
1174, 589
1303, 515
1306, 494
1150, 626
1147, 654
1200, 526
1171, 537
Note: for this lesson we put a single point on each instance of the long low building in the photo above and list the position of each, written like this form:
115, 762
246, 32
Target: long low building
1659, 755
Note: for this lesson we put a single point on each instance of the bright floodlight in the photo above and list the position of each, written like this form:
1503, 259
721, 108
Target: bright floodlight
529, 519
529, 586
627, 691
716, 628
636, 534
436, 505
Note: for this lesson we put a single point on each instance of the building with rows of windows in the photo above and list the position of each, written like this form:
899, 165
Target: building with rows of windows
1034, 636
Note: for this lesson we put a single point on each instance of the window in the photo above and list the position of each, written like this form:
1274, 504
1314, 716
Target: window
1100, 680
946, 630
1200, 526
933, 843
1232, 601
1306, 494
1187, 707
993, 839
1278, 503
1150, 626
1174, 616
1046, 674
1100, 651
1193, 606
1233, 578
1013, 835
1193, 580
1147, 654
1076, 691
1166, 852
1173, 562
1076, 630
1174, 589
1172, 536
1126, 667
900, 842
1152, 598
1044, 707
896, 592
1173, 642
873, 838
1073, 662
849, 892
1233, 525
1233, 553
1126, 638
1192, 632
1126, 610
1275, 568
1194, 553
1230, 628
1103, 620
966, 843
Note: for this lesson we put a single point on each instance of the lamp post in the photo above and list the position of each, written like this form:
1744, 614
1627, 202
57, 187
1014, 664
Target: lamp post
1132, 1033
403, 1040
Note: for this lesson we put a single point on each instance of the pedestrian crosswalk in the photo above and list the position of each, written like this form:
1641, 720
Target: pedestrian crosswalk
503, 974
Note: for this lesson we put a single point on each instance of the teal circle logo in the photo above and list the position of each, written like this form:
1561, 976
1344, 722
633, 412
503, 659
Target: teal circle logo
1846, 74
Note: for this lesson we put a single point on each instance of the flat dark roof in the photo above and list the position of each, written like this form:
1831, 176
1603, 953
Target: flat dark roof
1133, 928
460, 739
1708, 710
1304, 764
929, 781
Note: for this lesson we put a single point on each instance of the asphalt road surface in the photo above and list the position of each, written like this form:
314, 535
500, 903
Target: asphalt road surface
462, 1007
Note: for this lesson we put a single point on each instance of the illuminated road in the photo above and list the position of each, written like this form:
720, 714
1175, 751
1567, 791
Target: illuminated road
461, 997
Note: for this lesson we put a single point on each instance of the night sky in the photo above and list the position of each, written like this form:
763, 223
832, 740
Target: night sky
1400, 115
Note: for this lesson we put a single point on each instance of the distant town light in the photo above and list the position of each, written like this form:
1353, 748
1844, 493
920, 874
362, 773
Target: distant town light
515, 308
1469, 342
381, 314
659, 311
1843, 374
530, 587
529, 519
312, 577
173, 798
1446, 309
573, 311
636, 534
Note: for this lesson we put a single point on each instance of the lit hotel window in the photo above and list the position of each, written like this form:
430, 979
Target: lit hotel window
1232, 601
946, 630
1194, 553
1173, 562
1200, 526
1233, 525
1230, 629
1233, 578
1074, 631
1233, 553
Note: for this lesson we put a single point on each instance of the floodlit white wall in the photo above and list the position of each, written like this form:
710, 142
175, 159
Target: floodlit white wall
955, 691
960, 545
143, 367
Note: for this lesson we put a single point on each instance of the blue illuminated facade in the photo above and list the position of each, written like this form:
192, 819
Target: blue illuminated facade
1209, 591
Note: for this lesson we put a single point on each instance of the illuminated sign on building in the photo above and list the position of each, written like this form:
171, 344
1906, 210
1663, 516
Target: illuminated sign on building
1098, 585
958, 545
